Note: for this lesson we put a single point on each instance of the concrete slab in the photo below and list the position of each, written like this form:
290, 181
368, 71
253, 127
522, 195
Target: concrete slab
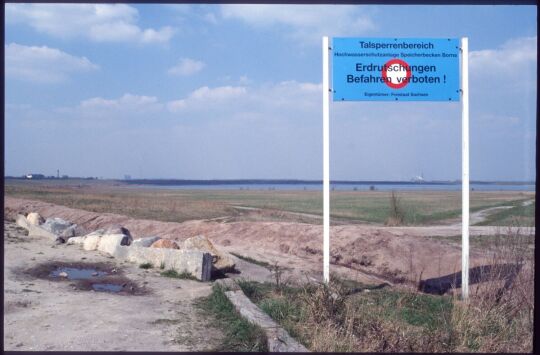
278, 339
194, 262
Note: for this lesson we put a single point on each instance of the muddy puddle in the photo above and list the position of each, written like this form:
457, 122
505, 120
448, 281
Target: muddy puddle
73, 273
96, 277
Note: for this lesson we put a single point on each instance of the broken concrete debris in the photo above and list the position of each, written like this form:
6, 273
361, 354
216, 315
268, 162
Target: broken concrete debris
117, 242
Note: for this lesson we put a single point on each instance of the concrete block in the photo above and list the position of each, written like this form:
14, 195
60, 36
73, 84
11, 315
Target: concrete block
109, 242
278, 338
121, 252
22, 221
91, 242
35, 219
36, 231
196, 263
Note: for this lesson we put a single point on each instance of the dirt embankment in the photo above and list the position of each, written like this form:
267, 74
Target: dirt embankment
385, 253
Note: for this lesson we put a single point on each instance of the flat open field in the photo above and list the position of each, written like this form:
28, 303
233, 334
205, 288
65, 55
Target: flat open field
365, 207
388, 266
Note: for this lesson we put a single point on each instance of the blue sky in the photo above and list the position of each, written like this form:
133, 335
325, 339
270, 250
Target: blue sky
234, 91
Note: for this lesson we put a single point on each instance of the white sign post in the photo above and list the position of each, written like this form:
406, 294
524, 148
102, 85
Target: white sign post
400, 78
465, 168
326, 160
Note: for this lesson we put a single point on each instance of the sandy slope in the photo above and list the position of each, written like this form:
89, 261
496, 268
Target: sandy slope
370, 253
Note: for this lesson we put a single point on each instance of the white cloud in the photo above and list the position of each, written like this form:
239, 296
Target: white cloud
128, 102
163, 35
271, 100
504, 78
219, 93
186, 67
307, 22
516, 57
207, 98
43, 64
97, 22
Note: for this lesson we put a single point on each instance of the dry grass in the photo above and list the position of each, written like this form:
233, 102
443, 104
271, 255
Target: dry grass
343, 316
381, 321
416, 207
160, 205
499, 315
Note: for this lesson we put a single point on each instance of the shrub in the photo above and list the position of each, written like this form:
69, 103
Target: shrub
146, 266
396, 215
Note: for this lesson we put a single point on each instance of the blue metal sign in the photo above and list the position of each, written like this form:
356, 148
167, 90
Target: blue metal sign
395, 69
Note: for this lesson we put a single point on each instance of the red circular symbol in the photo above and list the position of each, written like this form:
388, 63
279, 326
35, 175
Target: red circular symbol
396, 73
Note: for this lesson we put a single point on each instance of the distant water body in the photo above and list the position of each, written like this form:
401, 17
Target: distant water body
342, 186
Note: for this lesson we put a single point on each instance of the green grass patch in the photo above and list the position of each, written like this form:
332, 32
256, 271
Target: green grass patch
283, 306
255, 291
175, 275
417, 309
146, 266
240, 335
253, 261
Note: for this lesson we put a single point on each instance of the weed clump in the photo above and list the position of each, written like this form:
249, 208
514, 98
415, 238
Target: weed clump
176, 275
396, 215
146, 266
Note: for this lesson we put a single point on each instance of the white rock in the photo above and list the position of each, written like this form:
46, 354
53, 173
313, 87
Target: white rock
91, 242
56, 225
61, 227
109, 242
22, 221
35, 219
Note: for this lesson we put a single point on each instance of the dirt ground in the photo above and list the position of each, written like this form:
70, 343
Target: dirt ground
161, 317
41, 314
367, 253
